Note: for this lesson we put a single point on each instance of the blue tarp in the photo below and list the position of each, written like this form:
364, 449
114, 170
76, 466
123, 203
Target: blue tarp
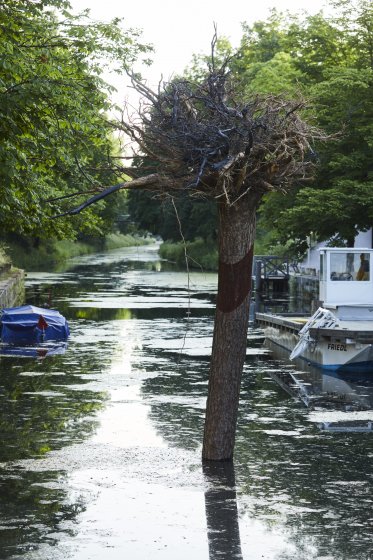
42, 350
30, 325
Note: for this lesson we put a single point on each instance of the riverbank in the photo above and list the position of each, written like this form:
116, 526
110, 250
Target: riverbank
51, 252
12, 288
202, 254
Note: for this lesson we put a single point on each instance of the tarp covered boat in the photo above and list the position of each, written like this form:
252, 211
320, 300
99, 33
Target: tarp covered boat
31, 325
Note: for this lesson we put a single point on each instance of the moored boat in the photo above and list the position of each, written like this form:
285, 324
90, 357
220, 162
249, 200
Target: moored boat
339, 335
28, 324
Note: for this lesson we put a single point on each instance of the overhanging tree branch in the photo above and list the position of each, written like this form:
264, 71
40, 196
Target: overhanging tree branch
149, 182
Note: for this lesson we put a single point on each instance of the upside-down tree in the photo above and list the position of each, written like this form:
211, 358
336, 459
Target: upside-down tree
201, 138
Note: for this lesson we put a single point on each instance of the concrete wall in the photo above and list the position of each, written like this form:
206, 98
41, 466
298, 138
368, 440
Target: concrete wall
12, 289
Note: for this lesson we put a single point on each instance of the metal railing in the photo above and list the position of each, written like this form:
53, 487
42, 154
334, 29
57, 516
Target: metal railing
271, 266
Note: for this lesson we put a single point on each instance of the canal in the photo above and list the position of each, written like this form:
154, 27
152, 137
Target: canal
101, 444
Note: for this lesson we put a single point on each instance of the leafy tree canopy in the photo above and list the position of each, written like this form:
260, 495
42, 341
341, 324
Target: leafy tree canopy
330, 61
54, 131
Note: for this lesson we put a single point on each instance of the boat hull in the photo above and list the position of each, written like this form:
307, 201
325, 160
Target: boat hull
348, 355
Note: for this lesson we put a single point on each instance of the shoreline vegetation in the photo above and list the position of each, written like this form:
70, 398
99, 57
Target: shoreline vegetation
51, 252
201, 254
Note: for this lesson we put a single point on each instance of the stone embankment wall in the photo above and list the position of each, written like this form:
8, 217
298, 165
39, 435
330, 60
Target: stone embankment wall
12, 288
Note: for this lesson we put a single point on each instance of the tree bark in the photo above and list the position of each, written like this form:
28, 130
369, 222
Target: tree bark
236, 241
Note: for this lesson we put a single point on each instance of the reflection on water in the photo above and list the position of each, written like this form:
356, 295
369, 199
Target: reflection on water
315, 484
40, 351
221, 511
338, 401
100, 454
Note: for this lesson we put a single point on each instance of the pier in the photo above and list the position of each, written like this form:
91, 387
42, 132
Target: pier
271, 273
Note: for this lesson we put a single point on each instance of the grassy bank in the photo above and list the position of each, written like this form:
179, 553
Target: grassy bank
51, 252
118, 240
201, 254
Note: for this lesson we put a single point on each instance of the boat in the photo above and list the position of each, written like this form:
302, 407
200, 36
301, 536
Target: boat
29, 325
339, 335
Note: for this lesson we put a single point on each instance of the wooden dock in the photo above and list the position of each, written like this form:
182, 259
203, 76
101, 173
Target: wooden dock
360, 331
286, 322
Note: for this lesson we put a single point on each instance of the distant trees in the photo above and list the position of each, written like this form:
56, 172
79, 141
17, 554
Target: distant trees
198, 218
54, 130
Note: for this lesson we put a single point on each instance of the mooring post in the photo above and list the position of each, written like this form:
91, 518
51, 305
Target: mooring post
258, 275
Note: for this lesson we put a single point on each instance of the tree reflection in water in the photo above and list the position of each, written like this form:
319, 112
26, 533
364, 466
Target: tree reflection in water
221, 511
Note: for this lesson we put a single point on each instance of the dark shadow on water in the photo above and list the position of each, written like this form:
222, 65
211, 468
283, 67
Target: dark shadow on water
221, 511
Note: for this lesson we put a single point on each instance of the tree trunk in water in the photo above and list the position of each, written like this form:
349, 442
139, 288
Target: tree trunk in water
236, 240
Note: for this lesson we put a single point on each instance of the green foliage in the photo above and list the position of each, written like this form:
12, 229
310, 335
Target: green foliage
118, 240
55, 136
329, 60
263, 40
201, 253
27, 254
340, 201
4, 257
279, 75
194, 217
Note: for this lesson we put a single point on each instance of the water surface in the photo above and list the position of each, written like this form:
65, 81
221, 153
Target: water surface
101, 445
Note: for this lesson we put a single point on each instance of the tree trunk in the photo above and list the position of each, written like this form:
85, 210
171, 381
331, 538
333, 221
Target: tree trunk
236, 240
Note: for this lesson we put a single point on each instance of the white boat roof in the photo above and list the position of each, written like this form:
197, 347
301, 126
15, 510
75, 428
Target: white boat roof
346, 249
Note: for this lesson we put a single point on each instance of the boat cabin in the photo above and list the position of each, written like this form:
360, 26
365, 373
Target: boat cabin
346, 282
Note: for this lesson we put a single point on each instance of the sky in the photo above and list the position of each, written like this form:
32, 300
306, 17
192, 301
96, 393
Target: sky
179, 29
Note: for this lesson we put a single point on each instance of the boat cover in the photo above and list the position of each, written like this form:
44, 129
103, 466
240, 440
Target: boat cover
29, 325
42, 350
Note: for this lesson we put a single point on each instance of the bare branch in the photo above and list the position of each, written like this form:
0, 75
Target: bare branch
155, 182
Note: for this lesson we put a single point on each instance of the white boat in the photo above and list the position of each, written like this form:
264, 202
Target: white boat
340, 333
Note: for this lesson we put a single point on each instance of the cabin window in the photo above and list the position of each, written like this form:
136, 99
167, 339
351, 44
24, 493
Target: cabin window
349, 266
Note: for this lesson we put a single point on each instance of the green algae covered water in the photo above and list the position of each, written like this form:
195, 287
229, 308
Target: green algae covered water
100, 446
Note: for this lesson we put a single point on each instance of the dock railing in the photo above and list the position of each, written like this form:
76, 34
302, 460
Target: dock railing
272, 270
271, 266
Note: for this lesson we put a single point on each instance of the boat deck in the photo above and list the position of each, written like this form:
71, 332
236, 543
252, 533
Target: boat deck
360, 331
292, 323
